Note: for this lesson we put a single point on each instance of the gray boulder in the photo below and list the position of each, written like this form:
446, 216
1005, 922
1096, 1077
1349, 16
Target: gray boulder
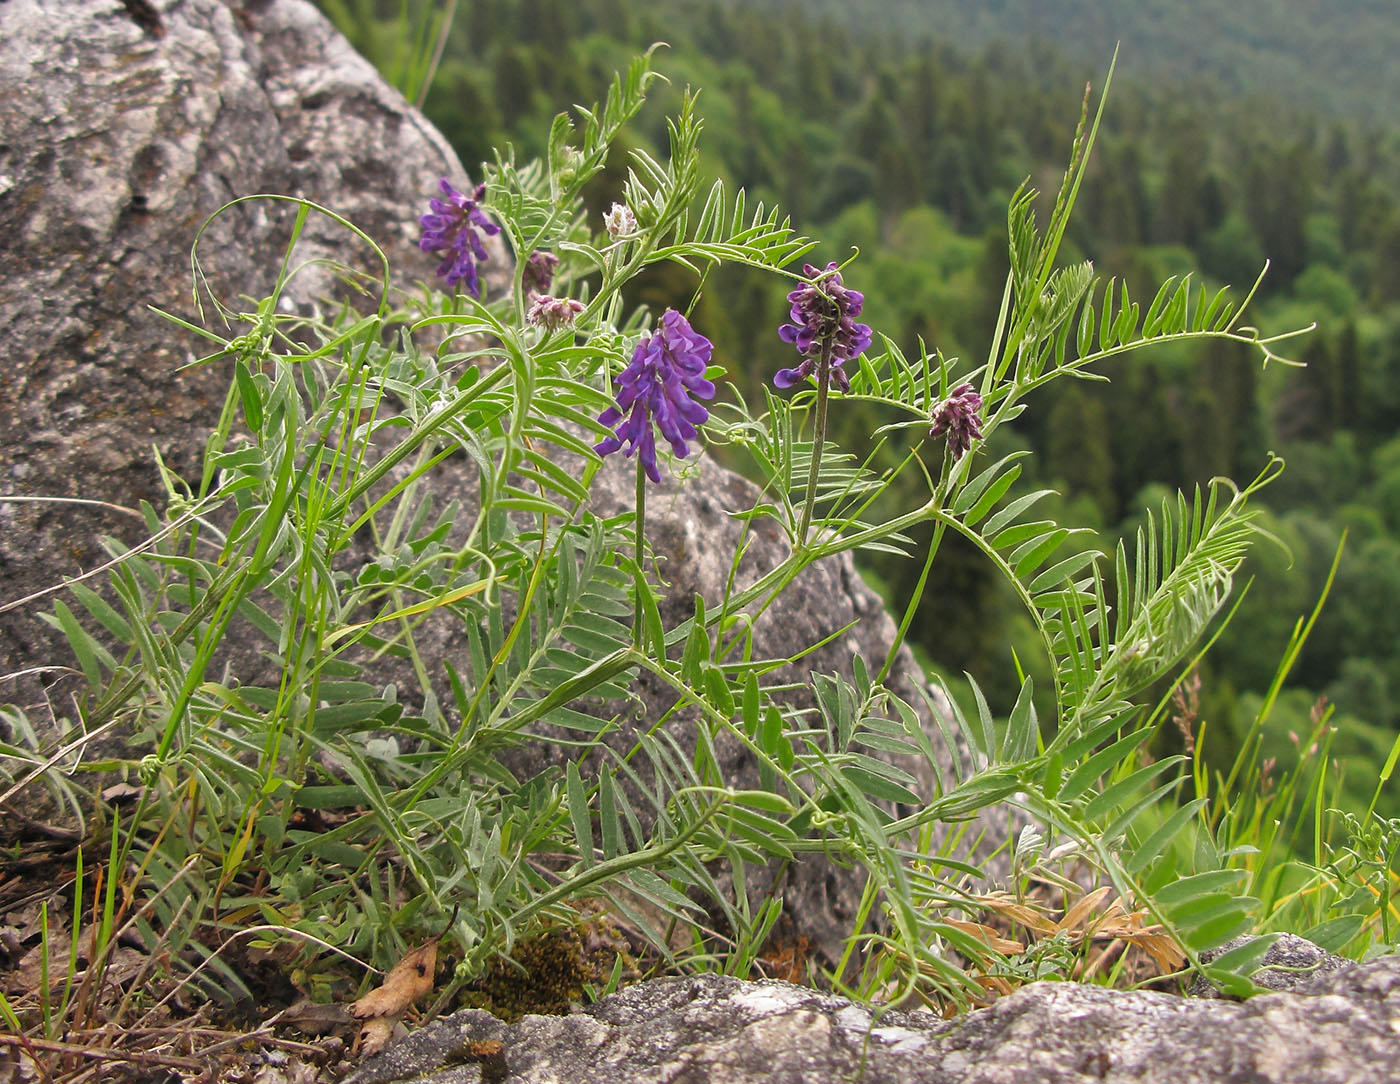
1342, 1026
118, 139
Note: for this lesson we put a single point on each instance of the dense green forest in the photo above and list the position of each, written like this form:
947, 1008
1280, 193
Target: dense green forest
1333, 56
907, 146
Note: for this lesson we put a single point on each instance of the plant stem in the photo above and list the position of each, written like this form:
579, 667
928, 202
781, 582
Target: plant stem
639, 526
818, 437
914, 601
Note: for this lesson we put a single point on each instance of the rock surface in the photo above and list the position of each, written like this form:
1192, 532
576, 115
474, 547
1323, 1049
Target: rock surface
1286, 964
118, 139
1342, 1026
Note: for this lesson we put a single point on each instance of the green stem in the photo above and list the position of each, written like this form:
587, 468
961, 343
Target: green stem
818, 437
914, 601
639, 527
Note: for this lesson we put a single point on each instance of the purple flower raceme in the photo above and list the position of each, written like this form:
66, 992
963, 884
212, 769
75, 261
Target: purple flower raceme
450, 227
956, 418
662, 382
823, 315
552, 313
538, 275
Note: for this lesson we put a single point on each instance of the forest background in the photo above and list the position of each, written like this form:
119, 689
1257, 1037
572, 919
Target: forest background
901, 128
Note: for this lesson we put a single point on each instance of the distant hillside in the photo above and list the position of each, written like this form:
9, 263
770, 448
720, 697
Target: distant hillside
1333, 55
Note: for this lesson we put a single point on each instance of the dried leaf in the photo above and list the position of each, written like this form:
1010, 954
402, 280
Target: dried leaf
788, 961
312, 1018
1162, 949
987, 936
122, 794
375, 1035
381, 1008
1083, 907
1020, 913
410, 979
27, 977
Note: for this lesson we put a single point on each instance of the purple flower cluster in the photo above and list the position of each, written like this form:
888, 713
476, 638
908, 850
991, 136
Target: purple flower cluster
956, 418
450, 227
538, 275
823, 315
662, 382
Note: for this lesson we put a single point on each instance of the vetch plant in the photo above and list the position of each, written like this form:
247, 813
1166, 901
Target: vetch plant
310, 795
659, 389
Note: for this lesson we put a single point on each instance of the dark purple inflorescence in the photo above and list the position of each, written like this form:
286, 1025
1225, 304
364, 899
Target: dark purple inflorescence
823, 316
450, 227
956, 418
538, 275
662, 382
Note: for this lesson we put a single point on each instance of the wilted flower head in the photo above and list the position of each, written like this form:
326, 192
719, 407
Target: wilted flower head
956, 418
538, 275
552, 313
662, 382
823, 315
450, 227
620, 221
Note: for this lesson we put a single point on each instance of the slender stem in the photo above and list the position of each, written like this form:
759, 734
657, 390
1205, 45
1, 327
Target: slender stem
914, 601
818, 436
639, 526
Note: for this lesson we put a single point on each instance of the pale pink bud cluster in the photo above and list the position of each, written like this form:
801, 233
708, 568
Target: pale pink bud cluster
552, 313
620, 221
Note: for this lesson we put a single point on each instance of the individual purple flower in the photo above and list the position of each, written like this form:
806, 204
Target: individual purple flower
956, 418
662, 382
538, 275
450, 227
823, 316
552, 313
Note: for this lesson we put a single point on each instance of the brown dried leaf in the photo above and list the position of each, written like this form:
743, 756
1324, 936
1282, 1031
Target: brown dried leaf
28, 976
312, 1018
410, 979
987, 936
1083, 907
1161, 948
1026, 916
375, 1034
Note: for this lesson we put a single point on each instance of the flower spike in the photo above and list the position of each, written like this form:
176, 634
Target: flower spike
956, 418
823, 313
660, 385
450, 227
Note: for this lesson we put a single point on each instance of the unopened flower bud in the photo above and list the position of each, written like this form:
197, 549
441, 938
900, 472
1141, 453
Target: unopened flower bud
956, 418
620, 221
538, 275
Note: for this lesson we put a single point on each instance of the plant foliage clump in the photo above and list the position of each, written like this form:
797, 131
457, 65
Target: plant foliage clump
289, 799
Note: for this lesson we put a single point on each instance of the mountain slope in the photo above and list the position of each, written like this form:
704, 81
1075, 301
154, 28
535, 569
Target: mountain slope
1333, 55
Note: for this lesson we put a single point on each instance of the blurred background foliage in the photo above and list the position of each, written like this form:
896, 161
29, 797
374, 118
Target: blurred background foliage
1258, 130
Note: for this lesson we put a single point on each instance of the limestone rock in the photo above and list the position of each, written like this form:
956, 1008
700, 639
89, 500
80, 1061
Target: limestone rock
1291, 961
1340, 1027
117, 141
